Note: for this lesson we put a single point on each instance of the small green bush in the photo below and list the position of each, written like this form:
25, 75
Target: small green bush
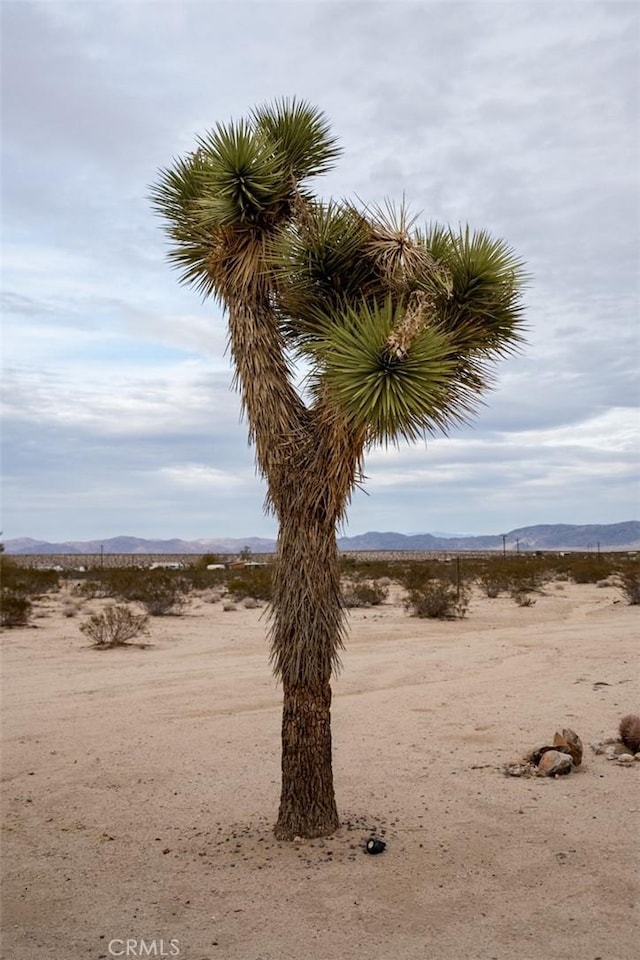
15, 610
161, 592
522, 598
116, 626
88, 589
363, 594
516, 575
628, 581
589, 569
355, 569
253, 582
20, 586
200, 578
100, 583
27, 582
438, 600
415, 574
493, 583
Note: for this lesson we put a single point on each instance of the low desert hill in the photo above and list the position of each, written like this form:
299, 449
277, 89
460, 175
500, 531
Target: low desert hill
560, 536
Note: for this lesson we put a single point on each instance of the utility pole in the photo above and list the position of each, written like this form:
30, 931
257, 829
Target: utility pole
504, 544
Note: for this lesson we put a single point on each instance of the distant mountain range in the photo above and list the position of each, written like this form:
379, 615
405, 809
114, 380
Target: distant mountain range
559, 536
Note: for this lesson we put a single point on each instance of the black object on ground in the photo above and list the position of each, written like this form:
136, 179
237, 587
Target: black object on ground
374, 845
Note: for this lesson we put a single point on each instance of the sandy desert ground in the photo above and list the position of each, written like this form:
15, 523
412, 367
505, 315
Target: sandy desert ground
140, 786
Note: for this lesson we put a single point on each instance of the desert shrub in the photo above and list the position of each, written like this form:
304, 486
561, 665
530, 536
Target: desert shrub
253, 582
160, 592
628, 581
588, 569
250, 603
415, 574
355, 569
27, 582
515, 575
108, 582
438, 600
70, 609
88, 589
20, 586
200, 578
492, 582
363, 594
115, 626
15, 610
228, 607
522, 598
526, 574
125, 583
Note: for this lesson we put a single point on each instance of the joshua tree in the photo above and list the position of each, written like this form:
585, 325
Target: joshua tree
393, 328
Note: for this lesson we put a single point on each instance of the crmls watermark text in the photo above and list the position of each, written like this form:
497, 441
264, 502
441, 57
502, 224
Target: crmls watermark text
139, 947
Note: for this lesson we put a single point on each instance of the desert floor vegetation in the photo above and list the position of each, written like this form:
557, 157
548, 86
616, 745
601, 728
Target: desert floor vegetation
19, 587
449, 583
140, 786
116, 626
438, 599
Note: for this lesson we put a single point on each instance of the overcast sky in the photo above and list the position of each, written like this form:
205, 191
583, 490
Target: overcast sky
522, 118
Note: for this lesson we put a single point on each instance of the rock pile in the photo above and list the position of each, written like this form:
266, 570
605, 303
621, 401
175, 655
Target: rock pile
555, 760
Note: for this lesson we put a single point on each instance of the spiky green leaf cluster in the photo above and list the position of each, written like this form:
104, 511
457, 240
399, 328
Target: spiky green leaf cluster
244, 179
321, 264
484, 307
346, 284
225, 200
398, 325
306, 146
375, 389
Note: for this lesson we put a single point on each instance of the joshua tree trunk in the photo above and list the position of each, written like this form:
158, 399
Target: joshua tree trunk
307, 801
310, 462
306, 632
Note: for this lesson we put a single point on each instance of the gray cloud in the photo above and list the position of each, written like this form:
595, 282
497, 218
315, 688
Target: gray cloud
521, 118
